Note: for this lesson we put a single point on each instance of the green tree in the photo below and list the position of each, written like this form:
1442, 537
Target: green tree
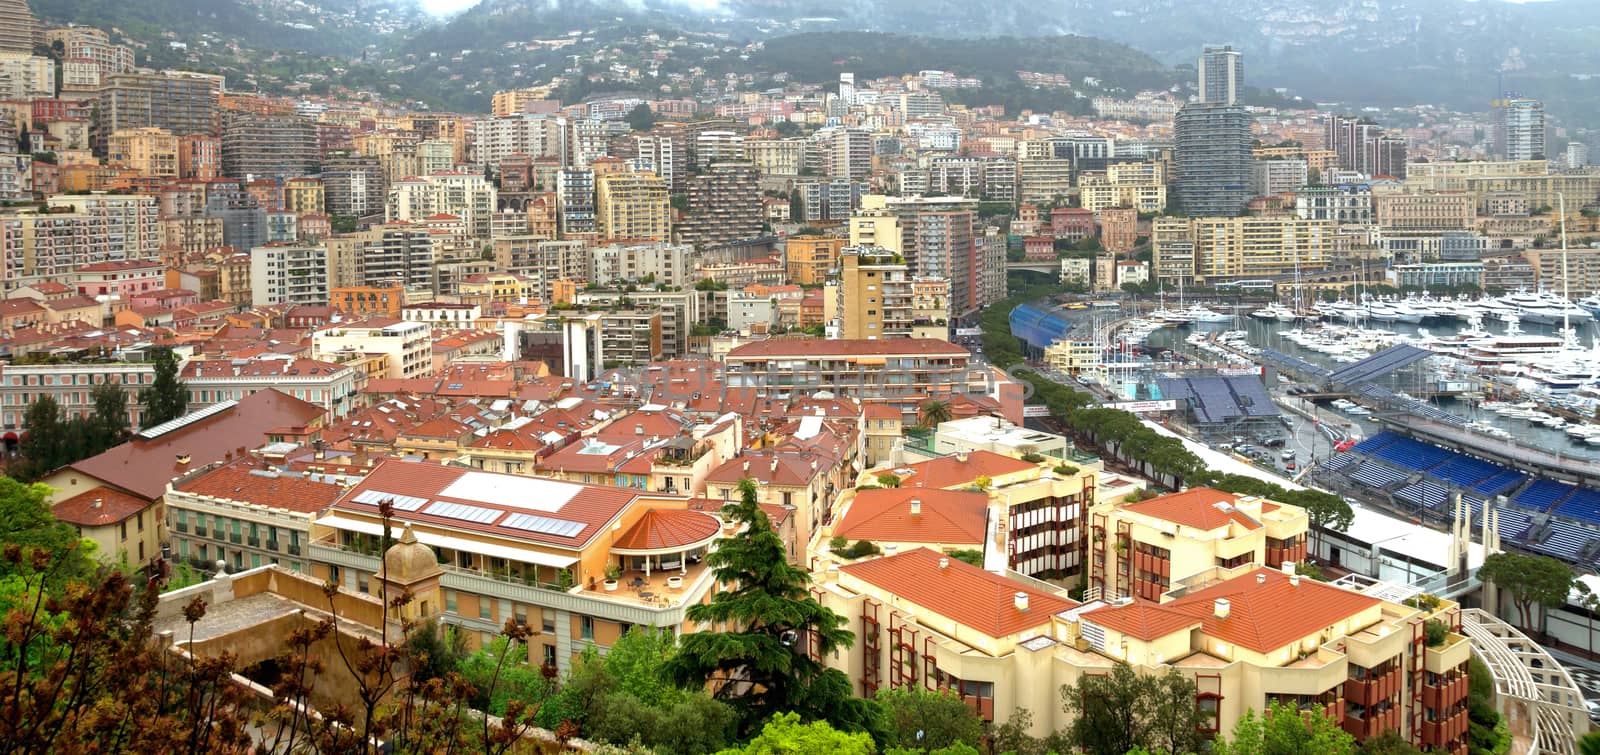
1389, 743
109, 423
26, 522
767, 661
785, 735
888, 480
918, 719
1528, 580
44, 441
1117, 712
1284, 731
1323, 511
641, 117
1589, 744
167, 398
934, 412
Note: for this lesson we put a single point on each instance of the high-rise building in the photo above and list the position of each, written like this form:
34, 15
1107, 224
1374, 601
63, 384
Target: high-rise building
19, 30
90, 45
304, 196
938, 240
1519, 131
828, 201
182, 103
528, 135
151, 151
842, 152
289, 274
1213, 159
244, 220
355, 185
268, 146
468, 196
878, 297
575, 208
24, 76
199, 156
1221, 70
1363, 147
398, 252
724, 206
632, 207
810, 258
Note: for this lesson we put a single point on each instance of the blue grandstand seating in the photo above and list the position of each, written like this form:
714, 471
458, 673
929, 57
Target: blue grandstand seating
1465, 471
1583, 505
1543, 494
1375, 442
1564, 541
1424, 493
1375, 475
1503, 481
1409, 454
1513, 523
1340, 461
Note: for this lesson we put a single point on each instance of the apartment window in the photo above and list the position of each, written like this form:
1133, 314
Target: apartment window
450, 601
141, 521
587, 628
1210, 707
549, 655
549, 623
485, 610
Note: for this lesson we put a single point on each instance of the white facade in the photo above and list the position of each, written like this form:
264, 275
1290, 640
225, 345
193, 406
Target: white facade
406, 346
289, 274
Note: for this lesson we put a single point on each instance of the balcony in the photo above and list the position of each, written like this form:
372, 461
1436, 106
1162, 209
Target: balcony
1373, 690
1313, 674
1449, 656
1450, 729
294, 549
1445, 695
253, 541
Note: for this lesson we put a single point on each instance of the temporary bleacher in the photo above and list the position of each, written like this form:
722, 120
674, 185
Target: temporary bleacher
1583, 504
1563, 541
1376, 475
1502, 481
1465, 471
1340, 461
1543, 495
1423, 493
1513, 523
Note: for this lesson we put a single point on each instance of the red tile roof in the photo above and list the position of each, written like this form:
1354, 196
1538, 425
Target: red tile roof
98, 507
1263, 615
144, 466
589, 505
249, 480
950, 471
946, 516
1195, 507
817, 347
668, 528
960, 591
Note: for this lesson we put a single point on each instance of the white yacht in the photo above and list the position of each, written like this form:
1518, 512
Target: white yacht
1275, 312
1199, 313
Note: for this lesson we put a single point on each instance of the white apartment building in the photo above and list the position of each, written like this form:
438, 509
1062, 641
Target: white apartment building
468, 196
289, 274
406, 347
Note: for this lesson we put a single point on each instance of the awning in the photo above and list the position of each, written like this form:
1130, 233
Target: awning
454, 543
871, 360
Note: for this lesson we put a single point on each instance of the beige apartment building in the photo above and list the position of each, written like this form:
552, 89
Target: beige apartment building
1424, 213
1255, 247
632, 207
151, 151
1140, 186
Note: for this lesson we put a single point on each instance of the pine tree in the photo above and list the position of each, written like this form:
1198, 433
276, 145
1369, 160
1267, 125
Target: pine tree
167, 398
43, 441
767, 662
108, 425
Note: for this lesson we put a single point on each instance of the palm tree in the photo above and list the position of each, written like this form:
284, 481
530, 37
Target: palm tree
935, 412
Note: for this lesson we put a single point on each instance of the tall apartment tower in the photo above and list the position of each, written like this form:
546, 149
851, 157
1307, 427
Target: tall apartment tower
183, 104
1363, 147
268, 146
1519, 129
1213, 159
1221, 75
724, 206
19, 30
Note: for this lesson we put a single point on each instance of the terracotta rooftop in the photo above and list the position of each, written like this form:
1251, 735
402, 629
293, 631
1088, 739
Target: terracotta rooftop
944, 516
951, 471
144, 466
960, 591
1195, 507
668, 528
250, 480
98, 507
504, 496
1264, 614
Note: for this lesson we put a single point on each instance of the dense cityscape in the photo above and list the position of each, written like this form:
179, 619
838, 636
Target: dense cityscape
533, 380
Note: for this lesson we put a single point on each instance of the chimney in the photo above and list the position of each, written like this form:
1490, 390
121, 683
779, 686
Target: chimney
183, 457
774, 464
1261, 578
746, 465
916, 507
1294, 580
97, 504
1288, 567
889, 550
1020, 600
944, 563
961, 456
1220, 608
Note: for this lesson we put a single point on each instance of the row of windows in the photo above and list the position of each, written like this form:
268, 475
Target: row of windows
130, 378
